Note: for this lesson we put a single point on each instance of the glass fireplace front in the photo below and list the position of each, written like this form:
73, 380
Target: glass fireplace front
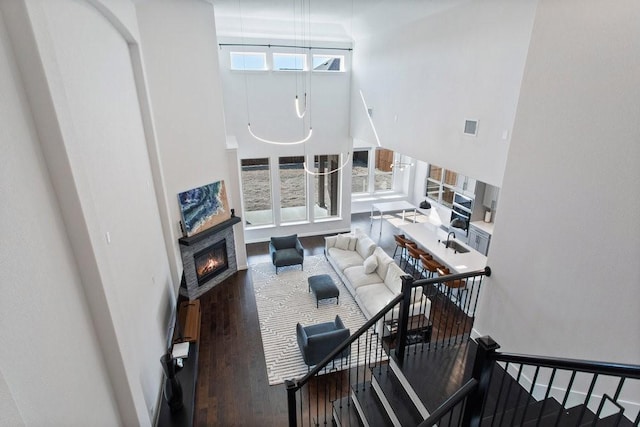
211, 261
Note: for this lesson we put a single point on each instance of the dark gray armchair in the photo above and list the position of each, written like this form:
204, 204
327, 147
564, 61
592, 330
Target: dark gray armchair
317, 341
286, 250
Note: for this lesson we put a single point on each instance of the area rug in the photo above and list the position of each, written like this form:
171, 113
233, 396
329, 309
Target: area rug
283, 300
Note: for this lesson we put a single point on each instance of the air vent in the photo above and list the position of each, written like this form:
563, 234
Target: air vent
471, 127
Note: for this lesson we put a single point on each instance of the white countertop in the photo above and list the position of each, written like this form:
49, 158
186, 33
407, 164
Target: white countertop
487, 227
393, 206
427, 236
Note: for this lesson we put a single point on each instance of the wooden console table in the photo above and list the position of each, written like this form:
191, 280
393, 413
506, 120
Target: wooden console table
187, 330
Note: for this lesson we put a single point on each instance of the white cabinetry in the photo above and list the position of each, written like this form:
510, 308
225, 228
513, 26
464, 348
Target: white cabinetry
479, 239
465, 185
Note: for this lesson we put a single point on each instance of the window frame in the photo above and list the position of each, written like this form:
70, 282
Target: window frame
444, 184
367, 190
249, 214
304, 188
391, 172
263, 55
328, 55
305, 66
338, 185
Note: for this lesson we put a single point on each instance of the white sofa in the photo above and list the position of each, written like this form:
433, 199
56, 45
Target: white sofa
370, 275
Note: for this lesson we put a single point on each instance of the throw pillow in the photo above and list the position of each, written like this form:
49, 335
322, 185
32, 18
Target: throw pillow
370, 264
343, 242
352, 243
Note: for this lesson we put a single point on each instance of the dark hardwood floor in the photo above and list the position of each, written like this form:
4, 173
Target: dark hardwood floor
232, 388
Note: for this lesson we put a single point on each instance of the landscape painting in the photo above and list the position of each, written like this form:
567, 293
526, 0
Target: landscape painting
203, 207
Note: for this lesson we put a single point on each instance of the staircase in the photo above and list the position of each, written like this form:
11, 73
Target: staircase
404, 396
452, 380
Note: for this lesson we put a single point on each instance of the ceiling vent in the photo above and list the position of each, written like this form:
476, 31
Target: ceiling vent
471, 127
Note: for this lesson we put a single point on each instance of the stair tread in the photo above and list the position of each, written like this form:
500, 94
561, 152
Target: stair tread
402, 405
530, 411
345, 413
568, 418
365, 396
612, 421
512, 396
444, 369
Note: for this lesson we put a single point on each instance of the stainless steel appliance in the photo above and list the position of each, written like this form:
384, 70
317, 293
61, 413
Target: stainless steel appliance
461, 213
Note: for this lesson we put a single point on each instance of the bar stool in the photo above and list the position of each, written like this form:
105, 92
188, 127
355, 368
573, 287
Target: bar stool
414, 254
403, 243
400, 243
458, 284
429, 265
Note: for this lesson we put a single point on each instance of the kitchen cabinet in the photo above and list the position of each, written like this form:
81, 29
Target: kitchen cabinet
465, 185
479, 239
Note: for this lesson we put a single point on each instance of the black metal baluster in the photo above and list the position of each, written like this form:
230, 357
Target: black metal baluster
546, 395
533, 385
519, 393
566, 397
484, 404
504, 405
587, 398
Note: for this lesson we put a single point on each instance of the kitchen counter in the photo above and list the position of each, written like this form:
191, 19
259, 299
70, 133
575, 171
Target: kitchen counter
487, 227
427, 236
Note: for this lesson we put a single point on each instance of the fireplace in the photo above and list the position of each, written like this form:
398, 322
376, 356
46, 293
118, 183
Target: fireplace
208, 258
211, 261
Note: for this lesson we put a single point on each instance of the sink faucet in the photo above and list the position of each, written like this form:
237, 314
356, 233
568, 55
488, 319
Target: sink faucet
451, 233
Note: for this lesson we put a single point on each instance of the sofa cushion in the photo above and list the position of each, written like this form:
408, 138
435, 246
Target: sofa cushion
345, 259
384, 261
357, 277
342, 242
353, 241
370, 264
365, 246
393, 279
374, 297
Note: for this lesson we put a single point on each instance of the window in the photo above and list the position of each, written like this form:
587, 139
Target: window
383, 172
327, 187
293, 189
334, 63
289, 61
248, 61
360, 172
441, 185
256, 189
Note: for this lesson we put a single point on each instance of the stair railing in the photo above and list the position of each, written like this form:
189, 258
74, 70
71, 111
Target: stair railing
453, 302
310, 398
387, 334
511, 389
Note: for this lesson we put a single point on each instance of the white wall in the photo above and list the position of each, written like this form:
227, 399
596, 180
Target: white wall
266, 99
180, 58
424, 79
565, 252
52, 368
82, 78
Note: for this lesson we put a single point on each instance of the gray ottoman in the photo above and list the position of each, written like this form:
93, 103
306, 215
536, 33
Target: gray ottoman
323, 288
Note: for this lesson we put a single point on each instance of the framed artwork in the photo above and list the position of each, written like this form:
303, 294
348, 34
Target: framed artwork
203, 207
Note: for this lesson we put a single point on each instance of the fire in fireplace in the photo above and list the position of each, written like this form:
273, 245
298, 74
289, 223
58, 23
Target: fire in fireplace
211, 261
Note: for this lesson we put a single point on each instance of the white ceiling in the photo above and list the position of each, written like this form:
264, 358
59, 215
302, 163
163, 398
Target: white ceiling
324, 20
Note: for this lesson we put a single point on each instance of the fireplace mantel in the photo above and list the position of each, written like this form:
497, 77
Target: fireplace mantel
190, 246
189, 241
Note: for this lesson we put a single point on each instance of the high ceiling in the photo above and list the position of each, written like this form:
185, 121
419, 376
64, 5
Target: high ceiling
325, 20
